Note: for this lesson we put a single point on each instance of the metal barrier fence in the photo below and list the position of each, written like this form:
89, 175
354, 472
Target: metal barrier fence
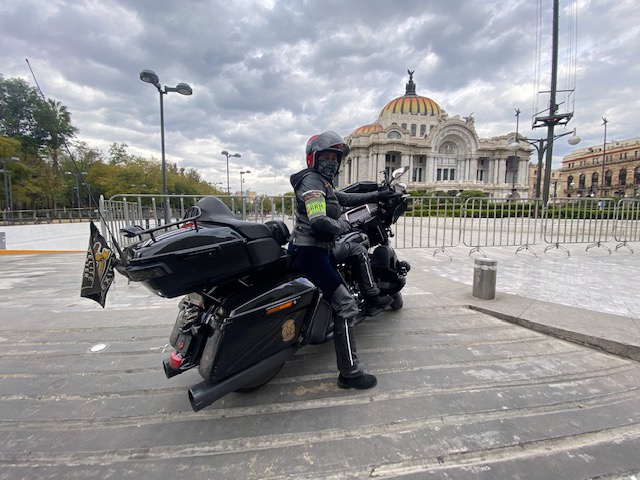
441, 223
36, 217
507, 223
430, 222
147, 211
580, 220
627, 224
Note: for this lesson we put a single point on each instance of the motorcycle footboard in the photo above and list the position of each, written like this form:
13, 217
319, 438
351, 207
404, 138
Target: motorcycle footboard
205, 393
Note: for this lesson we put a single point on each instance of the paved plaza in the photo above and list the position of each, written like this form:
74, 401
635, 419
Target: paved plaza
541, 382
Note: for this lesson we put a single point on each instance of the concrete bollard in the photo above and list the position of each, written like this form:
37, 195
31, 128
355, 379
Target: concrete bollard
485, 272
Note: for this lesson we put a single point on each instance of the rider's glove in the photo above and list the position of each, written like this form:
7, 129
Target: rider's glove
385, 195
357, 223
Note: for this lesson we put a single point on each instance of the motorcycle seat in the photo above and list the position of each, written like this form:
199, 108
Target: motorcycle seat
215, 212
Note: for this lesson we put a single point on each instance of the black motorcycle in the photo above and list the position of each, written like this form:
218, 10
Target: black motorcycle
246, 309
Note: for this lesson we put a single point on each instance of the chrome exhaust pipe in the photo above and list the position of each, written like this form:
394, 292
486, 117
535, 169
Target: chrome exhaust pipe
205, 393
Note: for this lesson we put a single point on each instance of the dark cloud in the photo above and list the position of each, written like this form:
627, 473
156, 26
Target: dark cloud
268, 74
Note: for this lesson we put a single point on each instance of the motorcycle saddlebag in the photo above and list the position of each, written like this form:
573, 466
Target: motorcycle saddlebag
177, 262
385, 267
255, 323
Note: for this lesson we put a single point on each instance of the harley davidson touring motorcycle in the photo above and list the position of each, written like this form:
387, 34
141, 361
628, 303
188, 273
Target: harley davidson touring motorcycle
246, 310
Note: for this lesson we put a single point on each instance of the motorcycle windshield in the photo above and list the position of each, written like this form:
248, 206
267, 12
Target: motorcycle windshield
399, 211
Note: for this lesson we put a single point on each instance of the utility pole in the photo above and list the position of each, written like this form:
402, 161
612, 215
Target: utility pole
554, 118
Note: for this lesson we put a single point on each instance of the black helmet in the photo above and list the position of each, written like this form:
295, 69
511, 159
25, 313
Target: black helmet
327, 141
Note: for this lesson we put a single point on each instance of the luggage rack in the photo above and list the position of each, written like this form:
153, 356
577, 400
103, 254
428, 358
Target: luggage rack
137, 231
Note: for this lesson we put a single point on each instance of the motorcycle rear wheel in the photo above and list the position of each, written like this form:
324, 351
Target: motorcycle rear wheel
397, 302
260, 382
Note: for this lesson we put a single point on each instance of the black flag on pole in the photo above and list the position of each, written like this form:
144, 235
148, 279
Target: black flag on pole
98, 268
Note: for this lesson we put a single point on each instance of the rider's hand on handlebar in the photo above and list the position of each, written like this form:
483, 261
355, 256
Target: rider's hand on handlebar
385, 195
357, 223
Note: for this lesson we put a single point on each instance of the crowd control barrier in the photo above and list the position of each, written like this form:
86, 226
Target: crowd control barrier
442, 223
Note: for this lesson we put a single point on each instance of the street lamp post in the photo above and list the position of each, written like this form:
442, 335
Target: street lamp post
149, 76
242, 190
77, 175
7, 204
604, 153
541, 145
227, 154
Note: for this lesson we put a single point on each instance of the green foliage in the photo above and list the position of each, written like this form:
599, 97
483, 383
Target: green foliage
284, 204
467, 194
9, 147
41, 126
420, 193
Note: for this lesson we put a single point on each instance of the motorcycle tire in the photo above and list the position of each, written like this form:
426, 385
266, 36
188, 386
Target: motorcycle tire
397, 302
266, 378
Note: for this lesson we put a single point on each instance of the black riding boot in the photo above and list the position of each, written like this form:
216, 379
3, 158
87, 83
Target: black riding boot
368, 287
351, 374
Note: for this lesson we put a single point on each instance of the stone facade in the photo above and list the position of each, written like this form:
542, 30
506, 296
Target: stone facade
557, 186
443, 153
582, 170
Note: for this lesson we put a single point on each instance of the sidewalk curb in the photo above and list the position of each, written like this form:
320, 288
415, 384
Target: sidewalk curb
619, 349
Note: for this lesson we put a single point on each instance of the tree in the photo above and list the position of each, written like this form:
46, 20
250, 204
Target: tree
9, 147
118, 154
53, 125
16, 107
36, 123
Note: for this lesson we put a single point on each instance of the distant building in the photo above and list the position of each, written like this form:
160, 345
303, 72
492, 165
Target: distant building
443, 153
582, 170
557, 186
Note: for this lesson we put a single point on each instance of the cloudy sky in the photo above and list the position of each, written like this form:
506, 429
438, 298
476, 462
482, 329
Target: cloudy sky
267, 74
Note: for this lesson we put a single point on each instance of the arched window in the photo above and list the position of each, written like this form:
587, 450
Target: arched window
393, 134
570, 185
636, 176
581, 181
607, 179
594, 181
622, 176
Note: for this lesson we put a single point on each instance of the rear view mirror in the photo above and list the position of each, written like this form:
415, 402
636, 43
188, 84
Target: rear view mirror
398, 172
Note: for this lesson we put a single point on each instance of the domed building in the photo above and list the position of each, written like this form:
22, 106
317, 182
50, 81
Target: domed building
443, 153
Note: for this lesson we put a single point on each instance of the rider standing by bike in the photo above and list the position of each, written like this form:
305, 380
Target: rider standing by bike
317, 225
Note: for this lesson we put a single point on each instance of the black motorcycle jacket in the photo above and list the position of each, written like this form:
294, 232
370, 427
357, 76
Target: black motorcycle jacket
318, 209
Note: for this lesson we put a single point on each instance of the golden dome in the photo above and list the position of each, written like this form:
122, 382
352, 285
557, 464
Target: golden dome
411, 103
414, 105
367, 129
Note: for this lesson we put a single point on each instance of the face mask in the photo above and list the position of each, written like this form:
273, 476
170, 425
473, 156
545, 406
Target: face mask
327, 169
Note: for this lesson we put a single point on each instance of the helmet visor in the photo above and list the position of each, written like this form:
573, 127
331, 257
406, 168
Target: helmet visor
328, 141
